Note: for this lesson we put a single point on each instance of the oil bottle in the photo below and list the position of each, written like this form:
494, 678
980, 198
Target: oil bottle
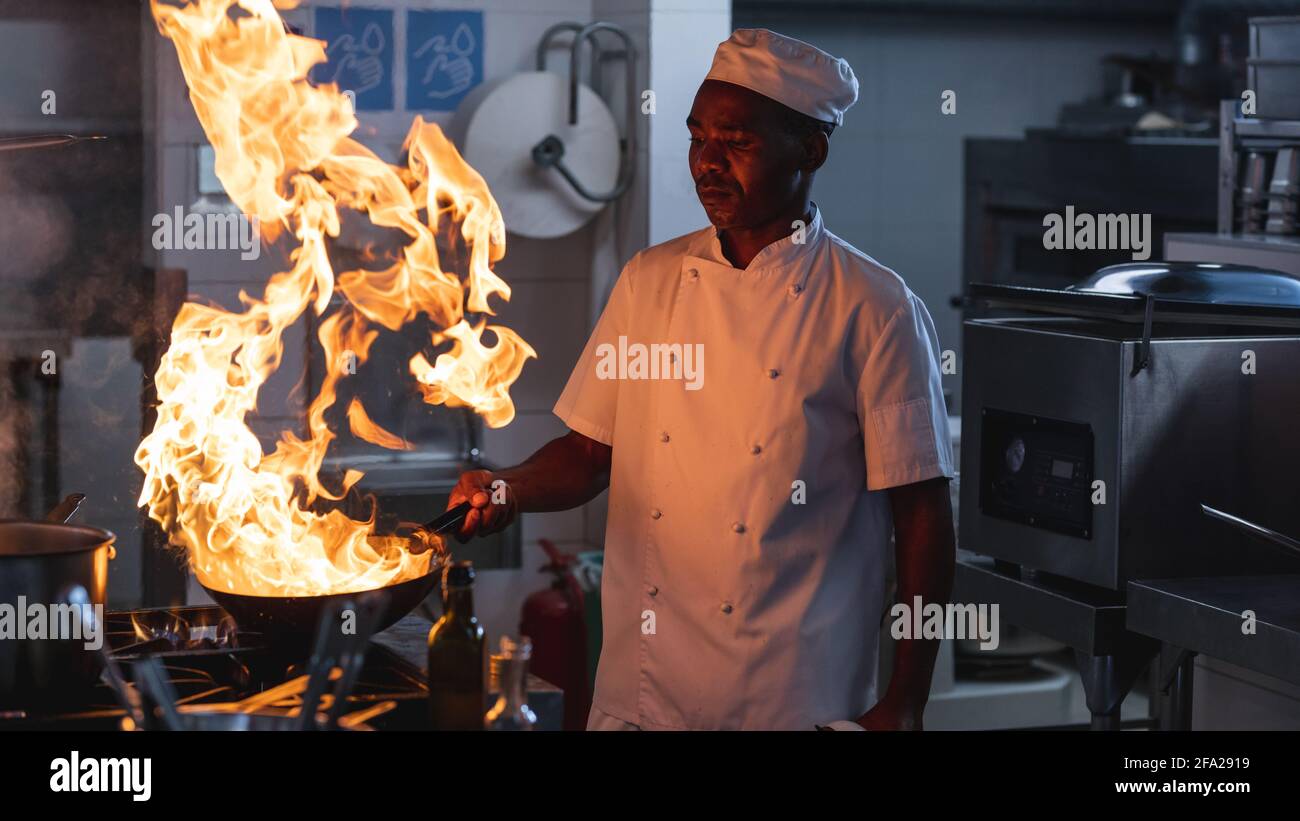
457, 656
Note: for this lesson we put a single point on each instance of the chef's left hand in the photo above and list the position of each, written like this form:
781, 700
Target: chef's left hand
887, 715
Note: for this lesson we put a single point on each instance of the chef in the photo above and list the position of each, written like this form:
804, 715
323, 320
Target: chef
763, 402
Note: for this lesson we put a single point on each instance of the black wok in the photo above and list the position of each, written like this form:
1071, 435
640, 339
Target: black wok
290, 621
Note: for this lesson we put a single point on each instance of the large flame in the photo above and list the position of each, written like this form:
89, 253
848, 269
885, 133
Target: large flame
284, 155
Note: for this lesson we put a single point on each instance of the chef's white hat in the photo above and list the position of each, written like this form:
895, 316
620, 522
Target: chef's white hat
790, 71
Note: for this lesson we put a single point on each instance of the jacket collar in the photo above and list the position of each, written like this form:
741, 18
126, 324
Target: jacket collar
782, 253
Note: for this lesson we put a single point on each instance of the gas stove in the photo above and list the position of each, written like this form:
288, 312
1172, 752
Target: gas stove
211, 663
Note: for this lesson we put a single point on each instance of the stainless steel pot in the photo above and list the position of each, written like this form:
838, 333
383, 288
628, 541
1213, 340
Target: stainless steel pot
39, 563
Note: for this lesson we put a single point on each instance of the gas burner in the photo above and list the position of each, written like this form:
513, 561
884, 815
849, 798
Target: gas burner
177, 632
211, 664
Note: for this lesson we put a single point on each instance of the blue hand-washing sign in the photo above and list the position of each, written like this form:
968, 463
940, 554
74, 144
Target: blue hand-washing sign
444, 58
360, 51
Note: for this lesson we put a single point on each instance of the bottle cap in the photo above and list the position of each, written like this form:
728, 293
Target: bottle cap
459, 574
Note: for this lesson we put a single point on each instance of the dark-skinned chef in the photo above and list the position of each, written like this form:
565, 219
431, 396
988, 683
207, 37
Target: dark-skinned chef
762, 401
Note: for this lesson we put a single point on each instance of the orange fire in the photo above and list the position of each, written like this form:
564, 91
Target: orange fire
284, 155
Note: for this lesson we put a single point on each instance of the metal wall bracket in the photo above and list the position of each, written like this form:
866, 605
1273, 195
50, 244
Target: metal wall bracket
549, 153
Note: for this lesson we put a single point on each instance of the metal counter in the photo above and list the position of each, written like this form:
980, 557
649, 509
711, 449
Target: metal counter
1205, 616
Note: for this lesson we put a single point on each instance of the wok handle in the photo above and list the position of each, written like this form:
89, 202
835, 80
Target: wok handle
449, 520
419, 538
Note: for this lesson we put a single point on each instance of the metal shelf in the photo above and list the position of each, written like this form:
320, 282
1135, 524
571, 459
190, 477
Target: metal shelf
1282, 243
1267, 129
1232, 131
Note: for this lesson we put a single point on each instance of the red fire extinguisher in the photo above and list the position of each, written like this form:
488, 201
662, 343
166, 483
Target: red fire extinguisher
554, 620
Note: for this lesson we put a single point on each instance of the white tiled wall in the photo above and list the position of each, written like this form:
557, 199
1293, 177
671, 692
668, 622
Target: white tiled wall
685, 34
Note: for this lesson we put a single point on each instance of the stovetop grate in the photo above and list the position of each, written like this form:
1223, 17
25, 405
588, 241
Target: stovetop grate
211, 662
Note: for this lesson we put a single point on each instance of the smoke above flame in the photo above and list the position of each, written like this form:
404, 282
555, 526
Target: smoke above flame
284, 155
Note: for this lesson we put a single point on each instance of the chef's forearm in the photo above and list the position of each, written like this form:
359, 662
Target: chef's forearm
925, 557
564, 473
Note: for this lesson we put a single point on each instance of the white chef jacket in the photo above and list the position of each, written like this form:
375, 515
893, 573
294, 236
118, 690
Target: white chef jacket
748, 531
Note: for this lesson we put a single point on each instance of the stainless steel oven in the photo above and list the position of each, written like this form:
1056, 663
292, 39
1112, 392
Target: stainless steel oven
1095, 426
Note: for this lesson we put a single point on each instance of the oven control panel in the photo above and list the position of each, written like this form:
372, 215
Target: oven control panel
1037, 471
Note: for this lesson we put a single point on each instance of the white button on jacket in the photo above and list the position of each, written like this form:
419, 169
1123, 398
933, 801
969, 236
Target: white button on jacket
795, 543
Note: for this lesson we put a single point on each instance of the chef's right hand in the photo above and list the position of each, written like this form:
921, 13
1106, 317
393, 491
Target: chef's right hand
494, 508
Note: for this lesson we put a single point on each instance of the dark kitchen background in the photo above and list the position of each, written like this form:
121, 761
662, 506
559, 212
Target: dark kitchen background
1109, 105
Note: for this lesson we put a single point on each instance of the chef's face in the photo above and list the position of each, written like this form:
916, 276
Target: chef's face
749, 167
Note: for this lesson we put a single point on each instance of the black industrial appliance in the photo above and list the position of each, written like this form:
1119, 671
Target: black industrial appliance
1012, 184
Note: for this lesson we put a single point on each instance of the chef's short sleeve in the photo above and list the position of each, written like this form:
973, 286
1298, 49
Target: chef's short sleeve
589, 403
900, 402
